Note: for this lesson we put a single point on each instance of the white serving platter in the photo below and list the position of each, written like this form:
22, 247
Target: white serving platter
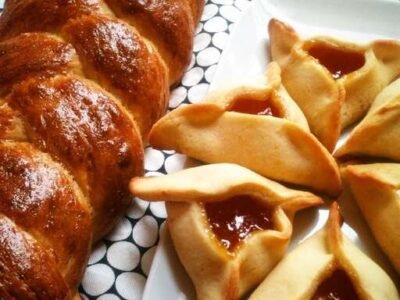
245, 57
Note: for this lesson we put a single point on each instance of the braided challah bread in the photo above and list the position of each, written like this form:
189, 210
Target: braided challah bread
81, 84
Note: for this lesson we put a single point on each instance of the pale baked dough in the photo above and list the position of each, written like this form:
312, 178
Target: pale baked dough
216, 273
375, 187
279, 148
331, 105
378, 134
299, 274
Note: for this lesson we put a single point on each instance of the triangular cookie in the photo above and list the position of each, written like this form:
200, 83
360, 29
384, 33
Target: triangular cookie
375, 188
276, 144
327, 266
229, 225
378, 134
334, 82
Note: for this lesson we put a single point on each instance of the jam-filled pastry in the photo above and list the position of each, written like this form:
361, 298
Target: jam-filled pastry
327, 266
375, 187
268, 135
378, 134
334, 82
264, 96
229, 225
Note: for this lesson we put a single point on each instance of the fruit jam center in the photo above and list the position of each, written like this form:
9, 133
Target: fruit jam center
234, 219
337, 286
338, 61
255, 107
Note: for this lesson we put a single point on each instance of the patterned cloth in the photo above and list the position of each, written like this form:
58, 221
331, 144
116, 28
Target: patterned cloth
119, 264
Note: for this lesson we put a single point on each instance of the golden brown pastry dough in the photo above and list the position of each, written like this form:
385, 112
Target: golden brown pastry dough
219, 272
375, 188
334, 82
378, 134
324, 266
279, 147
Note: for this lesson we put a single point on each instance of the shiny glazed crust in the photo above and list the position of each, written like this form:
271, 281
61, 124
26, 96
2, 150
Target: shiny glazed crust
81, 84
378, 134
278, 148
375, 189
215, 273
335, 104
298, 275
41, 211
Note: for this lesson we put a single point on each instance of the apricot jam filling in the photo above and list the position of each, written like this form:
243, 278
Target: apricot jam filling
255, 107
337, 286
234, 219
338, 61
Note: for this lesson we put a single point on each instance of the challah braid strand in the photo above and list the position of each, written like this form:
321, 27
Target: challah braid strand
85, 111
167, 24
45, 226
81, 126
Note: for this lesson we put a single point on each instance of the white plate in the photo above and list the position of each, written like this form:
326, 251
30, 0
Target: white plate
246, 56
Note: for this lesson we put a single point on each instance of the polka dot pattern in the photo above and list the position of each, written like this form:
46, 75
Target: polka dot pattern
174, 163
123, 256
198, 92
177, 97
130, 285
98, 279
98, 253
158, 210
121, 231
119, 265
145, 231
108, 297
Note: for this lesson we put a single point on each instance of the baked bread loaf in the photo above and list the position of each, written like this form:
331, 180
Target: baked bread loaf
327, 266
229, 225
81, 84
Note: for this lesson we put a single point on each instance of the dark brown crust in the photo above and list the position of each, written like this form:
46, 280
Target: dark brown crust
27, 270
169, 24
33, 54
89, 133
41, 15
197, 7
37, 195
11, 125
6, 120
118, 58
